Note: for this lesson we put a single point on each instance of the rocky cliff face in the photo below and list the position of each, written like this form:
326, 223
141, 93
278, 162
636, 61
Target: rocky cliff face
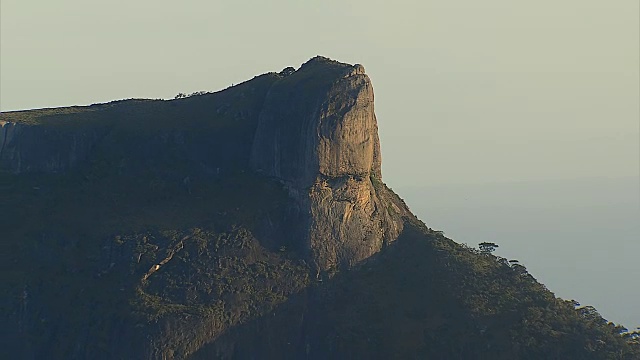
318, 121
27, 148
318, 133
315, 130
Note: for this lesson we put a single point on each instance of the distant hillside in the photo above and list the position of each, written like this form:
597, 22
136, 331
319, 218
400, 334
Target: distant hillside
250, 223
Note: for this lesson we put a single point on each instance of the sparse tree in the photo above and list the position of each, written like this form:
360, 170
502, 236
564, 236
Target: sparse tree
287, 71
487, 247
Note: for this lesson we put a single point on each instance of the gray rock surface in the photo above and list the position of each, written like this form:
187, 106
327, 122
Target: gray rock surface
320, 120
42, 148
318, 133
315, 130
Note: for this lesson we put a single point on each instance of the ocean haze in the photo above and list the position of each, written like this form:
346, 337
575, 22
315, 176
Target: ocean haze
578, 237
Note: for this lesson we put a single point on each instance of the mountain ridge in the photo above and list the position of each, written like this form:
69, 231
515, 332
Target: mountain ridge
246, 222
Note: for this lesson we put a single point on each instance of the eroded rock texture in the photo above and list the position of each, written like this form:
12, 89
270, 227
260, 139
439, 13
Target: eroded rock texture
25, 148
318, 133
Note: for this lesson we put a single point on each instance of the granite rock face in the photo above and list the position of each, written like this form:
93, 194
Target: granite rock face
314, 129
42, 148
318, 134
319, 120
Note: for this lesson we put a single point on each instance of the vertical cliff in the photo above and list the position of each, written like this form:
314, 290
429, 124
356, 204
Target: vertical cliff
314, 129
45, 148
318, 134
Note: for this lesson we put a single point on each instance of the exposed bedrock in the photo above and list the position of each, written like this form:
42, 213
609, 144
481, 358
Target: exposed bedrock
318, 133
42, 148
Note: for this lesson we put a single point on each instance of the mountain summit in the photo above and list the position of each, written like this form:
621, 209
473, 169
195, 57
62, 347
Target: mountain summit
250, 223
318, 133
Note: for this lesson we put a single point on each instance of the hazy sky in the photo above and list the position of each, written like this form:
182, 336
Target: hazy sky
467, 91
578, 237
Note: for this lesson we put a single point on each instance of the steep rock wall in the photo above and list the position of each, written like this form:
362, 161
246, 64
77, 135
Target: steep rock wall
314, 129
318, 134
318, 121
42, 148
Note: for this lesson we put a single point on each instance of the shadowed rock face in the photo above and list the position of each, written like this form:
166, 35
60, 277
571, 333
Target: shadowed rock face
318, 133
25, 148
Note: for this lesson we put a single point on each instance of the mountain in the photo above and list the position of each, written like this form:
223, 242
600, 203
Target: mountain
250, 223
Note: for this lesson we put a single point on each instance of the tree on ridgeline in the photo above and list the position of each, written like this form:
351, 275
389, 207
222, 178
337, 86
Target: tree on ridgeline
487, 247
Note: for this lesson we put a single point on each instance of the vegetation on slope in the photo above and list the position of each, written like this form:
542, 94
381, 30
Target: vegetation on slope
80, 249
427, 297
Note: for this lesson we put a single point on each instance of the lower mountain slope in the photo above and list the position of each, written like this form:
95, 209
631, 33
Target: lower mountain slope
198, 273
427, 297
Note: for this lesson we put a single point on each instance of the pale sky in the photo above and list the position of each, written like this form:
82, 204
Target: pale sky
467, 91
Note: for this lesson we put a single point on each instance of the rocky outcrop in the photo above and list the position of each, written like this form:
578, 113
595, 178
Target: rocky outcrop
318, 134
314, 129
319, 120
42, 148
350, 220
